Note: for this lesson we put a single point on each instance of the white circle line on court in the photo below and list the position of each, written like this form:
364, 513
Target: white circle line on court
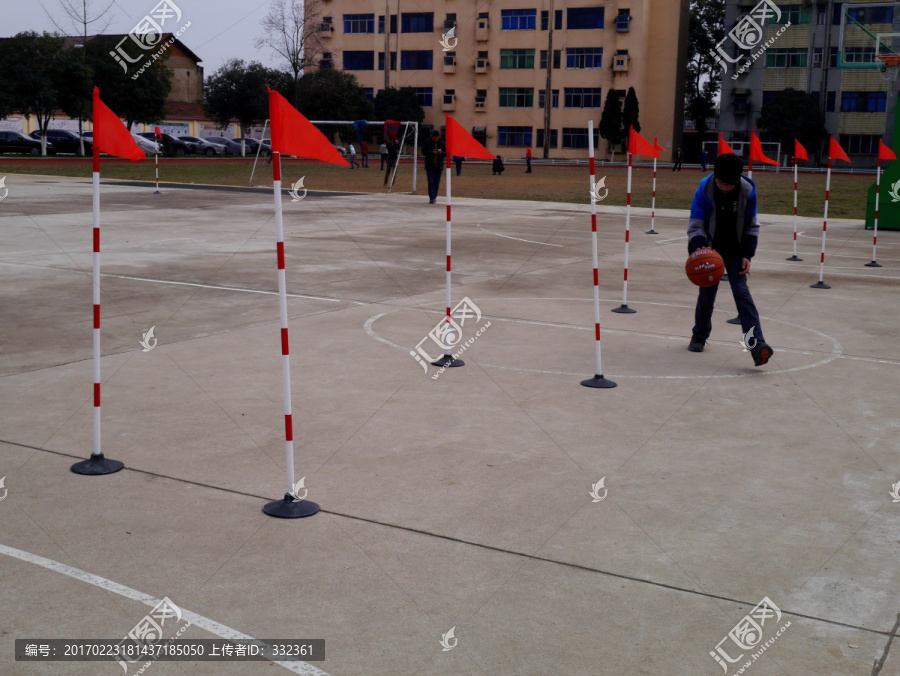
836, 353
204, 623
518, 239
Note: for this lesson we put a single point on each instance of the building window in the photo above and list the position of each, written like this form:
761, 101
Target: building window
578, 138
859, 55
417, 22
514, 136
381, 60
480, 97
326, 61
359, 23
830, 99
517, 58
583, 97
869, 15
832, 57
786, 58
450, 58
863, 102
416, 60
545, 20
423, 96
516, 97
796, 14
393, 24
449, 95
583, 57
557, 20
450, 21
584, 17
542, 95
860, 144
554, 136
740, 104
359, 60
518, 19
480, 135
817, 57
622, 20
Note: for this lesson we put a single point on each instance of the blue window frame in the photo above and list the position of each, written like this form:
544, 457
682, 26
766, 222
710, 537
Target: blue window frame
393, 24
359, 23
370, 93
423, 95
359, 60
416, 60
518, 19
584, 17
417, 22
863, 102
583, 97
584, 57
514, 136
578, 138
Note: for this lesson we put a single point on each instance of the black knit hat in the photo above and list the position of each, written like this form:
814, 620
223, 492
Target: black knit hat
728, 168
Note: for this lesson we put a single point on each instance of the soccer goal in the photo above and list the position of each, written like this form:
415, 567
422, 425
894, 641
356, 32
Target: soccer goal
342, 133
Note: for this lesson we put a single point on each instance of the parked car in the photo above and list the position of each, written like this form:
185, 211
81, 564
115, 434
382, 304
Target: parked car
200, 146
231, 148
169, 145
63, 141
17, 142
149, 147
251, 145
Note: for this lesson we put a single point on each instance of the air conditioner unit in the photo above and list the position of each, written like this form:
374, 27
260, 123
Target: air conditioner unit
481, 65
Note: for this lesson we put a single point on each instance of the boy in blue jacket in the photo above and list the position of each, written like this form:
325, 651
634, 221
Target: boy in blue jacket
723, 217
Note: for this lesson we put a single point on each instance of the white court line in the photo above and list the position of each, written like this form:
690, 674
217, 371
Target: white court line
518, 239
204, 623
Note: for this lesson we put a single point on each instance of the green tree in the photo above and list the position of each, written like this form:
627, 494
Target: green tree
74, 93
630, 113
398, 104
793, 114
610, 127
136, 97
706, 28
332, 95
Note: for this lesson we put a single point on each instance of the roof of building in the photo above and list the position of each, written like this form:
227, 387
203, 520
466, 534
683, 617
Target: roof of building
72, 40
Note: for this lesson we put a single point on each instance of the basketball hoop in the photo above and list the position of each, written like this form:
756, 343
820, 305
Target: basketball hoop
889, 66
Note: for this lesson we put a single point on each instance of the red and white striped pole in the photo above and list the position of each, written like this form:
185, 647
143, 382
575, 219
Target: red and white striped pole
623, 308
875, 263
821, 283
97, 464
652, 231
794, 257
156, 160
598, 381
447, 360
292, 505
750, 169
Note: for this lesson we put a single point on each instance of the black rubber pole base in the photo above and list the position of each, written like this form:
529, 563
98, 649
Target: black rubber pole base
97, 465
819, 285
736, 320
624, 309
447, 360
793, 258
287, 508
598, 382
873, 264
652, 232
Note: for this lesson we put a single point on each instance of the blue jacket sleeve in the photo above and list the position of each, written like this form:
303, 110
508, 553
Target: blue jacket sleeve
697, 223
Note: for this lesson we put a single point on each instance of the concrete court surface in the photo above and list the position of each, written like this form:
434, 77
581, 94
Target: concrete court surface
459, 502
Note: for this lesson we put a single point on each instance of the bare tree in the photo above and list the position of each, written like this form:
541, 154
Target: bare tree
292, 30
74, 19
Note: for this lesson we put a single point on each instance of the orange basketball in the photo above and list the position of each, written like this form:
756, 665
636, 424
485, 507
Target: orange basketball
705, 267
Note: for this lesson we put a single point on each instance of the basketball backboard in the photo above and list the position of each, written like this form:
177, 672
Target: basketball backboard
867, 31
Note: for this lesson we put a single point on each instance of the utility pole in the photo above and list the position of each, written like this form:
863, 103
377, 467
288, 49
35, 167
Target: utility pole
387, 45
548, 92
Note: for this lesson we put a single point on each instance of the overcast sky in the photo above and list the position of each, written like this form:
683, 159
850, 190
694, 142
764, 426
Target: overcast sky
219, 30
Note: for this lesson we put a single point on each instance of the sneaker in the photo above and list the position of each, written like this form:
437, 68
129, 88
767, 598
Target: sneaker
762, 353
697, 344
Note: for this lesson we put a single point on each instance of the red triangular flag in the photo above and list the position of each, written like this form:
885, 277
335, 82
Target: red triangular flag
885, 153
657, 147
110, 135
756, 151
157, 131
460, 143
638, 145
293, 134
800, 151
724, 148
835, 152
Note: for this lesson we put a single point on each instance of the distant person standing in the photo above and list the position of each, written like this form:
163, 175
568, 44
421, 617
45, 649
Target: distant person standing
704, 160
384, 154
393, 154
458, 161
434, 152
353, 161
679, 158
528, 159
364, 149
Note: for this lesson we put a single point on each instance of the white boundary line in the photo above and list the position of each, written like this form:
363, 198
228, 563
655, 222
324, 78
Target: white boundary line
204, 623
518, 239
